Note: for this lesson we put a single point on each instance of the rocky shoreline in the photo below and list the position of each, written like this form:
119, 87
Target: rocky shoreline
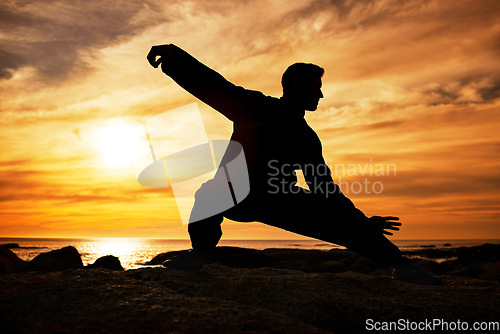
244, 291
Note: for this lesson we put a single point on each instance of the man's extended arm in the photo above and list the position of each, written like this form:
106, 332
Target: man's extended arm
232, 101
342, 205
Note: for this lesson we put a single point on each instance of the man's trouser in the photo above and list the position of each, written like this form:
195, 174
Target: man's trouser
300, 212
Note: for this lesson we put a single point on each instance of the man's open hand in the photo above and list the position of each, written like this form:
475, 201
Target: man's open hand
159, 55
385, 223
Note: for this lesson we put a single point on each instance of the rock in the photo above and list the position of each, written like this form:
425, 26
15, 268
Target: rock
10, 245
56, 260
9, 262
160, 258
107, 262
447, 244
220, 299
484, 253
230, 299
477, 262
432, 253
333, 261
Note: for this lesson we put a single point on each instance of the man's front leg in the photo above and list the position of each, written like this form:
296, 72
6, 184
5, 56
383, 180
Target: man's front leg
205, 234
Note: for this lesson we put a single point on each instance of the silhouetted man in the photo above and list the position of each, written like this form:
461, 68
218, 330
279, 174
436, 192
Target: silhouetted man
276, 141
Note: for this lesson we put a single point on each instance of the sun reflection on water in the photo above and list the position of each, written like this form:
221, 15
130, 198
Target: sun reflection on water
116, 247
128, 251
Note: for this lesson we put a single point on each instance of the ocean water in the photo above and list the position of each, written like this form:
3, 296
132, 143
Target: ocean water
133, 253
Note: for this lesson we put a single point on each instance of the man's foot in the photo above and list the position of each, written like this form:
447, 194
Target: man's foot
189, 261
414, 274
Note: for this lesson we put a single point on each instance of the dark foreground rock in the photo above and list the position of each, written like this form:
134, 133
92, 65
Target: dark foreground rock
10, 245
56, 260
10, 262
481, 262
250, 291
107, 262
230, 300
334, 261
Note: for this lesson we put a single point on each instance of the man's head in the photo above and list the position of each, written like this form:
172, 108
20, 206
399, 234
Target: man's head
302, 84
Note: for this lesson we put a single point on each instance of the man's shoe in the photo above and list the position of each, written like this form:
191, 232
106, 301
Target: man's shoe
414, 274
189, 261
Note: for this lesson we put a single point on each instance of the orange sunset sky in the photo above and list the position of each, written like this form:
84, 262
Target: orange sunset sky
412, 84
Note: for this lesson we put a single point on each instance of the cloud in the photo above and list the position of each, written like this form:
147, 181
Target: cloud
491, 91
481, 89
9, 62
52, 35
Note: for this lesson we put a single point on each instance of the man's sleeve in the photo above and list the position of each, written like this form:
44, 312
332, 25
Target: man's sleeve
232, 101
320, 181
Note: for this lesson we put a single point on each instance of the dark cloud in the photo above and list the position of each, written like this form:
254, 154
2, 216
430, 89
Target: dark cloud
51, 35
477, 89
491, 92
443, 95
8, 63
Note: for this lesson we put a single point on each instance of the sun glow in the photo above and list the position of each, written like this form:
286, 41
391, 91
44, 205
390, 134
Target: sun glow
119, 144
124, 249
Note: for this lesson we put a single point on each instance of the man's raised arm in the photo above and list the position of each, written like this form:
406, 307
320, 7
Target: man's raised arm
201, 81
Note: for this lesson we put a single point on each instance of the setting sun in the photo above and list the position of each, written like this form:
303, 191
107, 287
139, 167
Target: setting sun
118, 144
